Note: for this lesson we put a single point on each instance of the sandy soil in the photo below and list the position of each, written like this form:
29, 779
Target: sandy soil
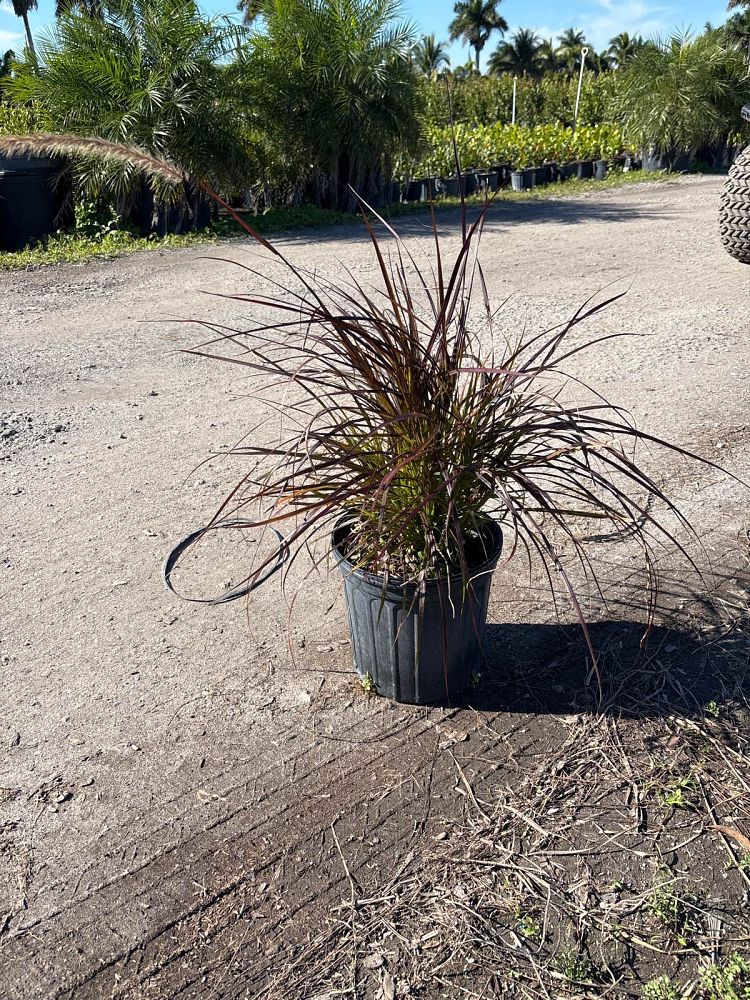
170, 773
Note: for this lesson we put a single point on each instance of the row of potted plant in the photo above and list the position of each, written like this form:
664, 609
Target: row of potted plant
518, 146
498, 177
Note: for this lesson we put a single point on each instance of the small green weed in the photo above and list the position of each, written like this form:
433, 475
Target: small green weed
668, 909
529, 927
575, 967
729, 980
367, 684
678, 794
661, 989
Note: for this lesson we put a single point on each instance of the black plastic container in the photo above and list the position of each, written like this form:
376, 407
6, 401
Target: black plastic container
393, 193
31, 201
452, 188
419, 648
191, 213
653, 160
523, 180
585, 170
488, 180
567, 170
415, 191
503, 175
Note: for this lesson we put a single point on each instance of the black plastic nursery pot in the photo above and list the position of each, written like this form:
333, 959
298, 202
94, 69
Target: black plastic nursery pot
585, 170
523, 180
488, 180
192, 213
503, 175
452, 187
393, 193
423, 190
419, 647
31, 201
654, 160
542, 175
414, 190
567, 170
601, 169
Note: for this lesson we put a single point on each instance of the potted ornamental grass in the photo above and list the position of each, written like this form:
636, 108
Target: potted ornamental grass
419, 445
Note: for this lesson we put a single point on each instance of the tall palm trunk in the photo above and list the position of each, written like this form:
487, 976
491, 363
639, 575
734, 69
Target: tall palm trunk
29, 36
477, 51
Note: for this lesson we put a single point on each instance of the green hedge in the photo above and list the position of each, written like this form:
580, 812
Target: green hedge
551, 100
482, 147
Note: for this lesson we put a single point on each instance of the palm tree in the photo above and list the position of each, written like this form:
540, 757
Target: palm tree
465, 71
251, 9
91, 8
333, 86
6, 62
737, 32
21, 9
570, 43
148, 73
475, 21
430, 56
600, 62
549, 60
681, 93
622, 48
520, 55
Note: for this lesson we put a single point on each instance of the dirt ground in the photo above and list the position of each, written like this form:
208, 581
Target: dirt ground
200, 802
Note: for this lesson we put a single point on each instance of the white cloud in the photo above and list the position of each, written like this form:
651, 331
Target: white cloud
10, 40
633, 16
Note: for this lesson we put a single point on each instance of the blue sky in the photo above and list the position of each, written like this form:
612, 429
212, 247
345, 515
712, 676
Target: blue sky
600, 19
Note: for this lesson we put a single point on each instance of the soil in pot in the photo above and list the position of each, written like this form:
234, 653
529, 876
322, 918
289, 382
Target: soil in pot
601, 168
419, 648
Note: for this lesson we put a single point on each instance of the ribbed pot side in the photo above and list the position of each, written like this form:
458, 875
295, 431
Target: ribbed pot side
418, 649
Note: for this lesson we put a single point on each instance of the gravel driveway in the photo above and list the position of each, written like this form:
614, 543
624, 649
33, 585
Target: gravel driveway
170, 772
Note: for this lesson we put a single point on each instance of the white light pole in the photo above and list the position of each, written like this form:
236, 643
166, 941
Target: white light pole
584, 53
515, 84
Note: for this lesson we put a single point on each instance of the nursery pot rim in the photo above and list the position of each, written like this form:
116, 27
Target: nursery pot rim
393, 583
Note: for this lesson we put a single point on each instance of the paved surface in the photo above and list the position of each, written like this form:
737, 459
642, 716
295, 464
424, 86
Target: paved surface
170, 773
